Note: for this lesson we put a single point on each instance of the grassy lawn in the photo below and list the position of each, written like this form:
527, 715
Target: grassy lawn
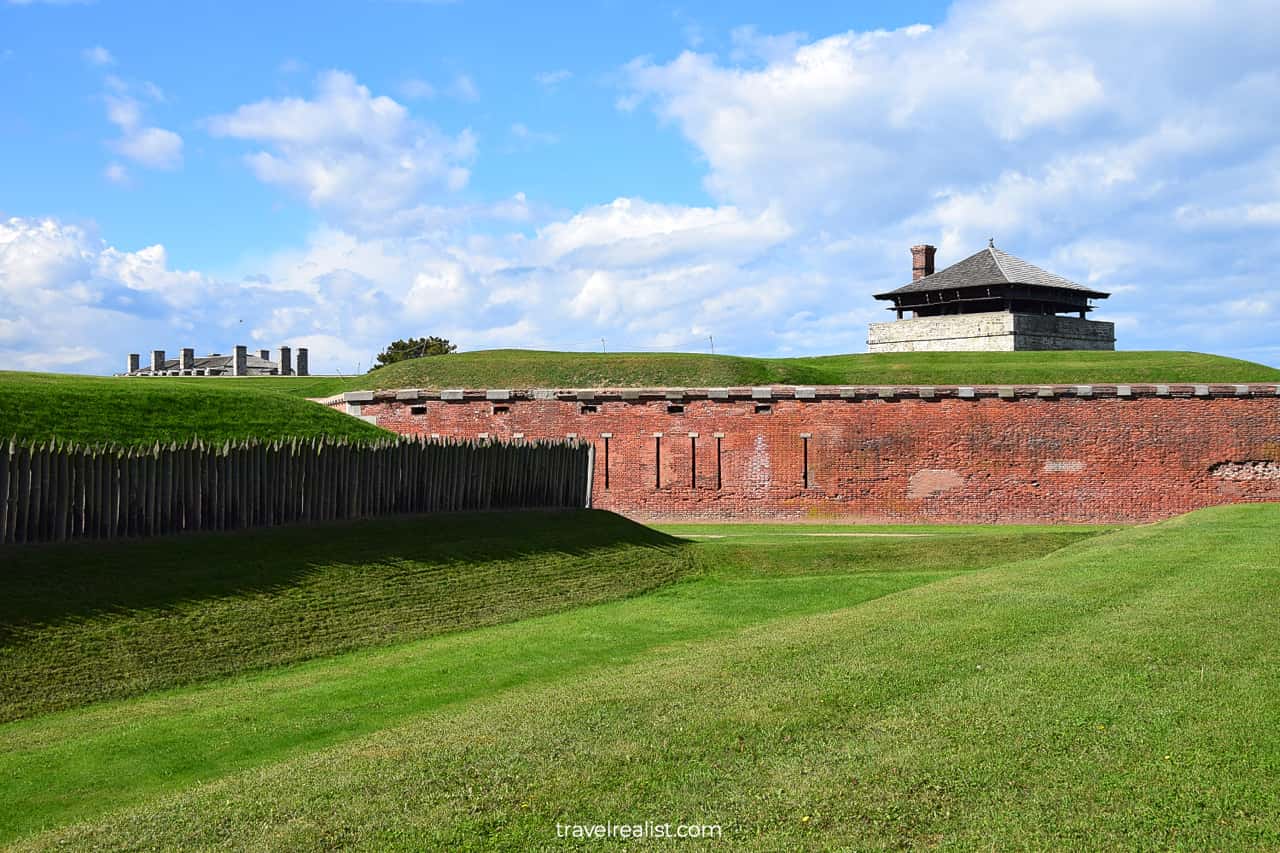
535, 369
86, 621
179, 623
970, 687
88, 409
143, 411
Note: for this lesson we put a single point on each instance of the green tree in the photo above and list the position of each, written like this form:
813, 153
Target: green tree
413, 348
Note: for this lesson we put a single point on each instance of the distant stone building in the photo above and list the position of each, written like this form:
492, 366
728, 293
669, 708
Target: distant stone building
990, 301
239, 363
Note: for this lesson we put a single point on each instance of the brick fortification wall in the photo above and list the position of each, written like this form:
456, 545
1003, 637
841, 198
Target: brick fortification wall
1026, 454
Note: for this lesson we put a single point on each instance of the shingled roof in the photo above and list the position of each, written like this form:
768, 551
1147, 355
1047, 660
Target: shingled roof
987, 267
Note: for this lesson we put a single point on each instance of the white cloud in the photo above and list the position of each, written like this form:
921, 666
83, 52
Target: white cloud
356, 155
1068, 131
98, 55
551, 79
632, 232
71, 302
1125, 145
1259, 215
523, 135
116, 174
153, 147
464, 88
417, 90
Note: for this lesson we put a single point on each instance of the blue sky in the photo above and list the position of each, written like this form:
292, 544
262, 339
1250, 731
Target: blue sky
339, 175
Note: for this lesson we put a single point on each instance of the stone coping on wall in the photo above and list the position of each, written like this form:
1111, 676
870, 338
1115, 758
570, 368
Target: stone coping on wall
1184, 390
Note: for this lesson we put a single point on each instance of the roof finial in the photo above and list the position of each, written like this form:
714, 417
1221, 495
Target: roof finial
991, 242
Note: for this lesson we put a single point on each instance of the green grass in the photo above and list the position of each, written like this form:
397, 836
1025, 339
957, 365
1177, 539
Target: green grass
88, 621
42, 406
537, 369
978, 688
78, 629
143, 411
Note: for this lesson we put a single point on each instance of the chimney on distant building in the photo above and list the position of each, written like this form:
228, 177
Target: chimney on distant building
188, 360
286, 361
157, 360
135, 362
264, 354
922, 261
240, 360
302, 362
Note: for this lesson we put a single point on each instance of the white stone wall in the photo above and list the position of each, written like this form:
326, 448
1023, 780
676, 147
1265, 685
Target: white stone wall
996, 331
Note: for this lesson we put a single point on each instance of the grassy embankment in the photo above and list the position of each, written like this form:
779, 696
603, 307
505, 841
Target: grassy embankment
955, 689
143, 411
90, 410
534, 369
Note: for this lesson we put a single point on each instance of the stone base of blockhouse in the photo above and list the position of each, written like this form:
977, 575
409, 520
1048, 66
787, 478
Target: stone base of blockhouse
996, 331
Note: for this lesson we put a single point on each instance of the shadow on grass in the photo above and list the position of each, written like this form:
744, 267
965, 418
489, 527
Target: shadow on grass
46, 584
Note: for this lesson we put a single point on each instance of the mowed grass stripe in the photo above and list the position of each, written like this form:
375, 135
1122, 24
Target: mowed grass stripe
1119, 693
67, 765
89, 621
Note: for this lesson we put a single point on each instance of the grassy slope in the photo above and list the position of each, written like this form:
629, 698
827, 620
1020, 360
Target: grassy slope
87, 621
143, 411
71, 765
535, 369
1119, 693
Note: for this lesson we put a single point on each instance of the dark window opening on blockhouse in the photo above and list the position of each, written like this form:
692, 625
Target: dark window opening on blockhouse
417, 410
675, 409
501, 410
588, 409
763, 408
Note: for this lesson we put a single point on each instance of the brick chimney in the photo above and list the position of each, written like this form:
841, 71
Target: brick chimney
921, 261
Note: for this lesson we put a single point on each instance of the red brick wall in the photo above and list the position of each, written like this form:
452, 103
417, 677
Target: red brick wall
987, 459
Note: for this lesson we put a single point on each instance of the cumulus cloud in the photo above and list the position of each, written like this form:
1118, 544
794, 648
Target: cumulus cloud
632, 232
72, 302
347, 151
98, 55
415, 89
551, 79
464, 88
1123, 143
1048, 126
144, 144
525, 136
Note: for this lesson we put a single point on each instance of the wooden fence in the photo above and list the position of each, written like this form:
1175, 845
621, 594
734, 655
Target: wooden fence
53, 492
